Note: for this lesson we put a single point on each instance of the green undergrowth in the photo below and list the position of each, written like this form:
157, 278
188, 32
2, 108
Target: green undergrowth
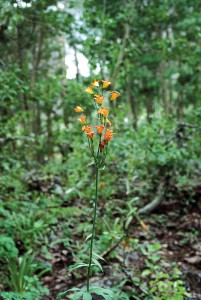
31, 218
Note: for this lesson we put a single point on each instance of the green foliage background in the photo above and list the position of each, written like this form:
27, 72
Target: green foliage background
150, 51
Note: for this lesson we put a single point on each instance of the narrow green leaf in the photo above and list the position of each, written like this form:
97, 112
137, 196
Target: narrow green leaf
100, 257
60, 295
144, 251
76, 266
96, 262
128, 222
88, 237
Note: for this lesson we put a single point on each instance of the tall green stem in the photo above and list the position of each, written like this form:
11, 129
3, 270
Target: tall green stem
93, 231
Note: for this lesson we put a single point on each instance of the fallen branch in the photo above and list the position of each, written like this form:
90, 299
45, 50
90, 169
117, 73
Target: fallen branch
157, 200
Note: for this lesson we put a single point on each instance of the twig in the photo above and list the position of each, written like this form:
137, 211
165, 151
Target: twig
109, 250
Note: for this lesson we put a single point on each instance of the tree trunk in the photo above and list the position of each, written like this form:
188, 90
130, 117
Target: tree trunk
150, 109
49, 132
121, 54
37, 55
76, 63
132, 104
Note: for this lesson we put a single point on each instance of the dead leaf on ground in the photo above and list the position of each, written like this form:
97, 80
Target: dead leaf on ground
193, 259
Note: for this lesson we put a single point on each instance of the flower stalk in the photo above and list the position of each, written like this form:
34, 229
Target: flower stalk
93, 230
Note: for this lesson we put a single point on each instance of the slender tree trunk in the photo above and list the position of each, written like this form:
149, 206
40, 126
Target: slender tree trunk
36, 109
121, 54
180, 100
76, 63
132, 102
19, 47
170, 105
49, 131
37, 55
149, 108
163, 88
180, 103
149, 96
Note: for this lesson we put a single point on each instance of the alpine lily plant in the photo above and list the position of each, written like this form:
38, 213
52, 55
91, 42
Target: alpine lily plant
99, 136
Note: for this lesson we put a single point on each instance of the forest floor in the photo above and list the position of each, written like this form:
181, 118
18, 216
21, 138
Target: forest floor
178, 230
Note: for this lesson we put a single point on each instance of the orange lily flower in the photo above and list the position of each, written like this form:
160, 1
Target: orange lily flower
89, 90
78, 109
101, 145
100, 129
108, 135
99, 99
105, 83
91, 134
103, 111
86, 128
95, 83
108, 122
114, 95
82, 119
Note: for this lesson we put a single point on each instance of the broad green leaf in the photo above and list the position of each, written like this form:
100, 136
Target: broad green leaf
146, 273
155, 247
78, 295
155, 257
103, 292
87, 296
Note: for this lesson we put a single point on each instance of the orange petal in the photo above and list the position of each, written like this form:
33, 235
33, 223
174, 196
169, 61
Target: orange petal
100, 128
114, 95
91, 135
95, 83
103, 111
89, 90
99, 99
82, 119
105, 83
108, 135
78, 109
86, 128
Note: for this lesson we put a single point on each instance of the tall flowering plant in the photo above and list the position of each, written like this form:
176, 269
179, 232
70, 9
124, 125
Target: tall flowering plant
99, 136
